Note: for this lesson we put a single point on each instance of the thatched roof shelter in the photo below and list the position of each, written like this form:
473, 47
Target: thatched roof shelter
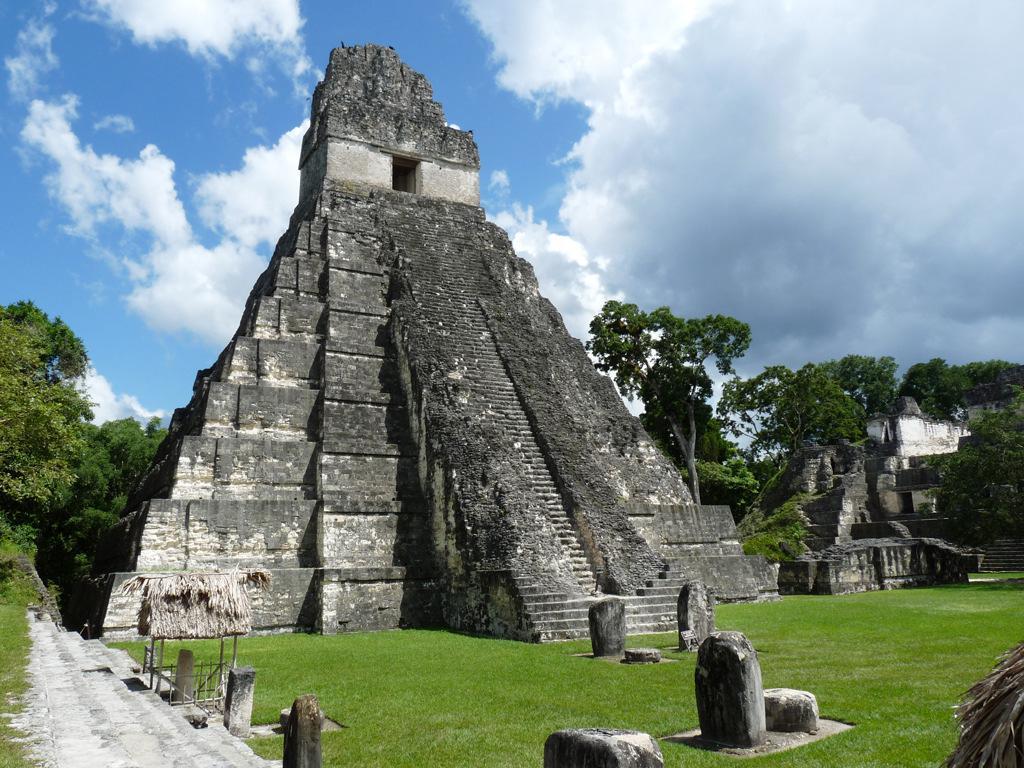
992, 718
195, 606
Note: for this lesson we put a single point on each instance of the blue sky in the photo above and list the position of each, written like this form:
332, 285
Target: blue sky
845, 176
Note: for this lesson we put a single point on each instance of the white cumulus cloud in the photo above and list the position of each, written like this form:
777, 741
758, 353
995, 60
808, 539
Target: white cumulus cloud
33, 58
843, 176
499, 181
109, 405
176, 282
211, 28
115, 123
579, 49
248, 203
567, 275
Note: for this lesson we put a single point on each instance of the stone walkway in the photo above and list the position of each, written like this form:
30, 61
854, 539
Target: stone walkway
86, 709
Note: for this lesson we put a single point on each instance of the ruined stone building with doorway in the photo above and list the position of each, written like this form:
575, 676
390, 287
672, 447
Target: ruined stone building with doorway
401, 431
870, 508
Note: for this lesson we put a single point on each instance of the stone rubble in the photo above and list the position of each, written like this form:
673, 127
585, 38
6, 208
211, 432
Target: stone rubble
641, 656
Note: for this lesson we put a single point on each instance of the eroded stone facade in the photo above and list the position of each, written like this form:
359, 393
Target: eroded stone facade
869, 508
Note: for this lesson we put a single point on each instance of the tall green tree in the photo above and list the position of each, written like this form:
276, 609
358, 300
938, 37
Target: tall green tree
114, 459
60, 353
779, 409
871, 381
725, 477
939, 387
41, 420
663, 359
982, 493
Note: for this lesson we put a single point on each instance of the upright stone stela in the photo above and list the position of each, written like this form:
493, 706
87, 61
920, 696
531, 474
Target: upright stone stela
401, 430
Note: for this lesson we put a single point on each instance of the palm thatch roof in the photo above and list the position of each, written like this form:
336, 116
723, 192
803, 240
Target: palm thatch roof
193, 605
992, 718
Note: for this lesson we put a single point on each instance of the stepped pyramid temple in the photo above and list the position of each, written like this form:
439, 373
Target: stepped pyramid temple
401, 430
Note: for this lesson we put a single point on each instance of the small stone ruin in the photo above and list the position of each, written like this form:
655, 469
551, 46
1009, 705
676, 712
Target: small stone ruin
869, 510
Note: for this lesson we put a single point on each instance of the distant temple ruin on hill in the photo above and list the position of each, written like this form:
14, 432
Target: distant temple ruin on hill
401, 430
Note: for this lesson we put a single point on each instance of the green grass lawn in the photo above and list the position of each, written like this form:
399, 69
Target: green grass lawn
893, 663
15, 594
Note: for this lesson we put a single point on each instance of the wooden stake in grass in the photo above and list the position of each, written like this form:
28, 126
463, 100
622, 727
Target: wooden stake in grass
302, 736
992, 718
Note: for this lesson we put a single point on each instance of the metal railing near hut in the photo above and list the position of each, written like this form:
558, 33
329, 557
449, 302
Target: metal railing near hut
207, 682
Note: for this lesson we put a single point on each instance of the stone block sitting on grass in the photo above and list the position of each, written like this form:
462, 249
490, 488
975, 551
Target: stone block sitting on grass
789, 710
601, 748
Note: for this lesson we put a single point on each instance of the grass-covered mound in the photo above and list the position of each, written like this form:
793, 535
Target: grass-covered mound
893, 663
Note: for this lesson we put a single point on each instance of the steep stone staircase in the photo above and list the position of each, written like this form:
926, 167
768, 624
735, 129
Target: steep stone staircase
448, 293
1004, 555
492, 382
85, 708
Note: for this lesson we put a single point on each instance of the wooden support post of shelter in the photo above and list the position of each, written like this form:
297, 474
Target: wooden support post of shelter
194, 606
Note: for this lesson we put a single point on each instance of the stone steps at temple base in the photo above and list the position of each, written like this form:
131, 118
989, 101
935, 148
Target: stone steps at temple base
556, 616
1004, 555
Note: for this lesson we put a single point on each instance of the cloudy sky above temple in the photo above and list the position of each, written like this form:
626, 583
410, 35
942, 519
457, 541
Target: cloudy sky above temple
844, 176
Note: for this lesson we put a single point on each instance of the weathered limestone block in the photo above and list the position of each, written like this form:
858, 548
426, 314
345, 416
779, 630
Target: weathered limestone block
184, 677
695, 613
730, 699
302, 736
608, 627
601, 748
787, 709
642, 656
238, 701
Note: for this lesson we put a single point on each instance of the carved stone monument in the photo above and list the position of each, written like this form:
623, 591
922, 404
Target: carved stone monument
238, 701
695, 613
607, 620
730, 698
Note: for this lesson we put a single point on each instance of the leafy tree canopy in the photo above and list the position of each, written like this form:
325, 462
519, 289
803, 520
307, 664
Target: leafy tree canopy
41, 420
60, 354
939, 387
871, 381
779, 409
982, 491
114, 459
663, 359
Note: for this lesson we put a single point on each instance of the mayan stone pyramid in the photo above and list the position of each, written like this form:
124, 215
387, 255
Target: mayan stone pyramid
401, 430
